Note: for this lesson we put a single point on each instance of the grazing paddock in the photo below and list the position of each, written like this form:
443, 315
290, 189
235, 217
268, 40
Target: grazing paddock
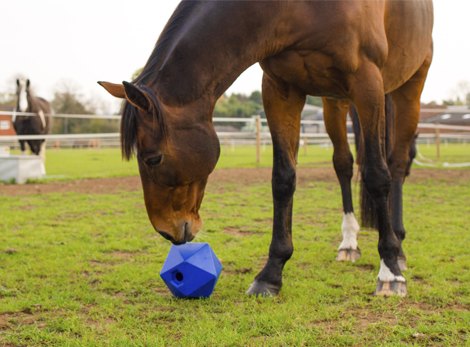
79, 261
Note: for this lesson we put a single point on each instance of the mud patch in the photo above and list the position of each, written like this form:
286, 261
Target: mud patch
217, 180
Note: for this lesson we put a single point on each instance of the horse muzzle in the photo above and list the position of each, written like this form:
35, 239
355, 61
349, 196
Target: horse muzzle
184, 235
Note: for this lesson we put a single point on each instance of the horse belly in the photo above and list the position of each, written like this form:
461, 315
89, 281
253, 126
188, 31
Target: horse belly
313, 72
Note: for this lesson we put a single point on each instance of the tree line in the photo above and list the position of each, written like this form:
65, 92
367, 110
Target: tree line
68, 100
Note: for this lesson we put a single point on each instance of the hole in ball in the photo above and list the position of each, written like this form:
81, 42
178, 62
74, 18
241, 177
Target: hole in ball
179, 276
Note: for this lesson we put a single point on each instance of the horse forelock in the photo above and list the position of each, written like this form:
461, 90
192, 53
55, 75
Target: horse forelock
128, 130
129, 124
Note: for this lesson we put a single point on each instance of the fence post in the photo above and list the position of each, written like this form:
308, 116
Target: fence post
438, 141
258, 139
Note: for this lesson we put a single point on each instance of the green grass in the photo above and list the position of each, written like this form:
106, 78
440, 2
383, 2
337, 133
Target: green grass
91, 163
452, 153
82, 269
67, 164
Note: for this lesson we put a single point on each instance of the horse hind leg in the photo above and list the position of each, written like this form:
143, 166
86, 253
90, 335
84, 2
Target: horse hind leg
370, 103
397, 207
35, 146
335, 112
406, 100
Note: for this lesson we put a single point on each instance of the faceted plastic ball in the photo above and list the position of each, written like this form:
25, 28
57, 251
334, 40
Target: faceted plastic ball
191, 270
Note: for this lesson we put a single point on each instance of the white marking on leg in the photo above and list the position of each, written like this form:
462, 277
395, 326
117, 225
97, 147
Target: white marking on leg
385, 275
42, 152
350, 228
43, 118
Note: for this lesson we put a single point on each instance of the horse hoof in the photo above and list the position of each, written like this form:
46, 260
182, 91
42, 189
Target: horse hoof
261, 288
402, 263
393, 288
348, 255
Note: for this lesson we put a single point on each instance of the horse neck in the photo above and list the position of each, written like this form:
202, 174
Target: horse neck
214, 46
33, 104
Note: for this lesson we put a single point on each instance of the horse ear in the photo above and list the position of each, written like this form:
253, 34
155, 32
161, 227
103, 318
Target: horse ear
27, 83
136, 96
17, 82
116, 90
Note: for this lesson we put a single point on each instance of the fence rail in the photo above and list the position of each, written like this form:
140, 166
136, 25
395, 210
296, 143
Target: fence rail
257, 133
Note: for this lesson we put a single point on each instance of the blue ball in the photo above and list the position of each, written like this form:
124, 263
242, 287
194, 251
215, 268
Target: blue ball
191, 270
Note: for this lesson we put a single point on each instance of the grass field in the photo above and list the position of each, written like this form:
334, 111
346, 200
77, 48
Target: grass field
81, 269
92, 163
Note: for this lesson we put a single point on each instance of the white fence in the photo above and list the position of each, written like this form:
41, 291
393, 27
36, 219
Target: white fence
255, 131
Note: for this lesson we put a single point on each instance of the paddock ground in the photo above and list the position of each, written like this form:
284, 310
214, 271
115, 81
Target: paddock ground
243, 176
79, 266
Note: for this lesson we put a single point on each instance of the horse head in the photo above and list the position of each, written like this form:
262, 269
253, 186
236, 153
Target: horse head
22, 91
176, 149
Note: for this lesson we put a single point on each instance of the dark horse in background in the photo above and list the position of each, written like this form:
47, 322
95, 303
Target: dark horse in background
39, 124
349, 52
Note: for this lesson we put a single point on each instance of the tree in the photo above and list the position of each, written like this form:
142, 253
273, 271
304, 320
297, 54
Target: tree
238, 105
67, 100
256, 97
7, 101
137, 73
461, 94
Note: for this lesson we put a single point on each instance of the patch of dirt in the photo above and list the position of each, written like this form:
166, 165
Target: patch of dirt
124, 255
365, 267
12, 319
238, 232
86, 186
217, 179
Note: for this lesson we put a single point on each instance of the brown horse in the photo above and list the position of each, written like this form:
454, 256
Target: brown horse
350, 52
31, 125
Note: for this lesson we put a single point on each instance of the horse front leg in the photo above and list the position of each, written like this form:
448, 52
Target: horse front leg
368, 96
283, 105
335, 112
23, 147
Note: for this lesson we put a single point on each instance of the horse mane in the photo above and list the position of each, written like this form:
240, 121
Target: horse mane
148, 77
166, 41
129, 120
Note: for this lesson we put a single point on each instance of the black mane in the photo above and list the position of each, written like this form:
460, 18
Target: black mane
148, 77
164, 44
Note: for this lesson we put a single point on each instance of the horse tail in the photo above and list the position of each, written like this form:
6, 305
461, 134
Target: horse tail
368, 210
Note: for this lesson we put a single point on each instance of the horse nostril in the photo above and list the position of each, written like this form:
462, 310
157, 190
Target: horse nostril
171, 238
166, 235
188, 236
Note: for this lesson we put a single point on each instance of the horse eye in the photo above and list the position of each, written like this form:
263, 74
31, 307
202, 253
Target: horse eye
154, 161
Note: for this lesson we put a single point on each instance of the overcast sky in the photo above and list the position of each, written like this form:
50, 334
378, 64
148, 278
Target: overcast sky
83, 41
